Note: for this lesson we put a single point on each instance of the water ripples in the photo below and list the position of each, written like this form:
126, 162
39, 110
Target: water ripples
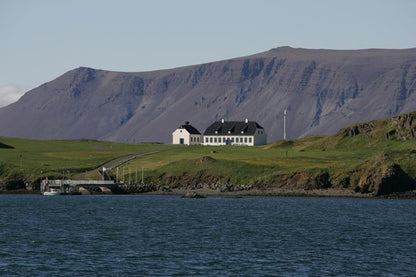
168, 235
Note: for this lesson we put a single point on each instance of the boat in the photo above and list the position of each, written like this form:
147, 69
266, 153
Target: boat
52, 191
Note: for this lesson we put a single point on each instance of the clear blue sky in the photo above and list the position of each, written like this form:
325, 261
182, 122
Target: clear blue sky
42, 39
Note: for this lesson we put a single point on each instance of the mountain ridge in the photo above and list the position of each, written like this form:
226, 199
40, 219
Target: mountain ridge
323, 90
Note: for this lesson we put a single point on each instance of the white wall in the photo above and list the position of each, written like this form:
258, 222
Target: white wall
178, 134
188, 138
259, 138
235, 140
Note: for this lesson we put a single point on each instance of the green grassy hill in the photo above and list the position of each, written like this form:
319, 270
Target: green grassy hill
377, 156
366, 157
29, 160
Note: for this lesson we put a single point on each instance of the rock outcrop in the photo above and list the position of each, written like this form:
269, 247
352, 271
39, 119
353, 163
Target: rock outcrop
400, 127
192, 194
380, 177
304, 180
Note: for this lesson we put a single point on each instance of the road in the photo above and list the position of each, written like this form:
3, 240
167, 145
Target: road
112, 164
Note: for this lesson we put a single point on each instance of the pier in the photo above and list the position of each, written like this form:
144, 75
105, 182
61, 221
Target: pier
73, 186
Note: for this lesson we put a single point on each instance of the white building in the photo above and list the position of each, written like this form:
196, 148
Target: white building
186, 134
235, 133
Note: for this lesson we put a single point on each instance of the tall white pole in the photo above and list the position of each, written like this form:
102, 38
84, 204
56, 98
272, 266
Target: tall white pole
284, 124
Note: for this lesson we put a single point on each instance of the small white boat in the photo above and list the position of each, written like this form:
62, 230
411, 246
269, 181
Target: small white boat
52, 191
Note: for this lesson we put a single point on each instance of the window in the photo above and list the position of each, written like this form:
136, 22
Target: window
249, 139
245, 139
206, 140
197, 139
210, 139
224, 139
215, 140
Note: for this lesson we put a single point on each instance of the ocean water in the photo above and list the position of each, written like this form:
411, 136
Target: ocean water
143, 235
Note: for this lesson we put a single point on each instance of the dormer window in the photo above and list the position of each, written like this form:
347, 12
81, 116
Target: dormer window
216, 132
242, 132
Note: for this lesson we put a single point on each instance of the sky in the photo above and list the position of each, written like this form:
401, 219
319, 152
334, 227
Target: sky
41, 40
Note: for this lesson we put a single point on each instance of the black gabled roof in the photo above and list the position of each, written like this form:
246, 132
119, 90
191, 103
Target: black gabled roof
235, 128
191, 129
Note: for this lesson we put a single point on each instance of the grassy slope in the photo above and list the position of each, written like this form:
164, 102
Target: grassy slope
53, 157
337, 154
247, 165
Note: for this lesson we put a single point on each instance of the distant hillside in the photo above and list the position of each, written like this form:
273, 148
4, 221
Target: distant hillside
323, 90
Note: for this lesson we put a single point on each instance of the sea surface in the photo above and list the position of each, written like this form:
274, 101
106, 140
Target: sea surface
144, 235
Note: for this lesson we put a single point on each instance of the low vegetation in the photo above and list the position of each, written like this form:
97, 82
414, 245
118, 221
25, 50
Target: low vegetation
356, 157
33, 159
263, 163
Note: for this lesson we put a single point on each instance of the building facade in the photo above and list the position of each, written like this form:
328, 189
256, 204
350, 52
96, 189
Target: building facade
187, 135
246, 132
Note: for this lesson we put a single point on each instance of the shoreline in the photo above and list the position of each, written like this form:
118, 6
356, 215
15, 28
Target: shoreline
314, 193
317, 193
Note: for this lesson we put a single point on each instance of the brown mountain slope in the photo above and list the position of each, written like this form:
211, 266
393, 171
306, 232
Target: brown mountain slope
323, 90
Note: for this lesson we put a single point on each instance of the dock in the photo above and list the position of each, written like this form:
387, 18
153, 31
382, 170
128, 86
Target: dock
74, 186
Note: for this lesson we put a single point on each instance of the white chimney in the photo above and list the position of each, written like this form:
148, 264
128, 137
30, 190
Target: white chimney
246, 120
222, 120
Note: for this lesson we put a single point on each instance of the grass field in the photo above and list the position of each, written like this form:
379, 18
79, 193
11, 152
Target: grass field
261, 163
61, 158
244, 165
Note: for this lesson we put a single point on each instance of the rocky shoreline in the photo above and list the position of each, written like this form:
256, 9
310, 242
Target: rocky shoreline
227, 190
333, 193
